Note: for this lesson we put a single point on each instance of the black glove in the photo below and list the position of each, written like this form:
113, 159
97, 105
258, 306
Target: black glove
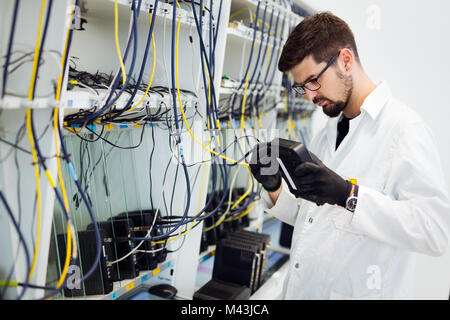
264, 168
317, 183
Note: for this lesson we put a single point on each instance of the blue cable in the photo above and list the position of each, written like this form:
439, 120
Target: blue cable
108, 104
188, 186
88, 206
44, 36
10, 43
249, 59
257, 100
144, 61
21, 238
204, 53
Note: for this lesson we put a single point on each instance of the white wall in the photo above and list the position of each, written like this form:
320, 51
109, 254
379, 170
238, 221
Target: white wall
407, 43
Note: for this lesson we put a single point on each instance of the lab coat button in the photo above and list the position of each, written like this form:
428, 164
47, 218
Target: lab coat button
297, 265
310, 220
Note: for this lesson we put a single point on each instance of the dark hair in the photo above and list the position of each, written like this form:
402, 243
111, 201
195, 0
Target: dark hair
321, 35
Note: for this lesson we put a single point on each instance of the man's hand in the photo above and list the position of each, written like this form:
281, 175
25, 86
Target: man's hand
264, 168
319, 184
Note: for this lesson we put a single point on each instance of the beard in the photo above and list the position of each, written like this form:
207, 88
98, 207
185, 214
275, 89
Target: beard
333, 108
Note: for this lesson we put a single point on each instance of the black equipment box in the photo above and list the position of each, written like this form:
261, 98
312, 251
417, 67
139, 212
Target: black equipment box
290, 155
216, 289
236, 262
100, 281
119, 230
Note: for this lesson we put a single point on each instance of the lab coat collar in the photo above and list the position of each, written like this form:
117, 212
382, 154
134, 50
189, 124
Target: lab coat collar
376, 100
372, 105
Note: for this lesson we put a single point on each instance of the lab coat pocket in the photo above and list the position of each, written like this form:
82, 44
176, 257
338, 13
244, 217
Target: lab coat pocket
342, 220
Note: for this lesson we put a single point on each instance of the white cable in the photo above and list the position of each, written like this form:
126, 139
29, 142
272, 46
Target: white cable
150, 251
81, 84
149, 230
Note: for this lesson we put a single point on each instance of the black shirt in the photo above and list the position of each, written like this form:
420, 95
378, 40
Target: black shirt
342, 127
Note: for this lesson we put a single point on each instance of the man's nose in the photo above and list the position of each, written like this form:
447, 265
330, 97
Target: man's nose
310, 95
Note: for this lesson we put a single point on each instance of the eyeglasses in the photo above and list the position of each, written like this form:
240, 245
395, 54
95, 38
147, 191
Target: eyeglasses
313, 84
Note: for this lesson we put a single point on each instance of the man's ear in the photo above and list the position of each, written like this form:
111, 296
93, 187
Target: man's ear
347, 59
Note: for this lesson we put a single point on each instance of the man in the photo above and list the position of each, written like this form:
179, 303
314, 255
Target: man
376, 196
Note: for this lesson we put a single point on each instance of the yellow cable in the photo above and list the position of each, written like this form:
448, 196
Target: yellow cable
209, 102
69, 239
38, 193
153, 71
198, 210
184, 115
259, 21
34, 155
244, 213
294, 129
234, 205
30, 136
244, 99
36, 53
116, 36
238, 12
189, 129
269, 49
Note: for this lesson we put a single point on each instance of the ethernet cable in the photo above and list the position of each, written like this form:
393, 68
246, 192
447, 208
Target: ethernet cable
116, 38
118, 72
247, 81
184, 117
64, 203
108, 102
147, 236
187, 126
256, 82
71, 248
30, 98
198, 209
151, 77
74, 177
37, 49
150, 38
249, 62
269, 63
10, 43
21, 240
204, 54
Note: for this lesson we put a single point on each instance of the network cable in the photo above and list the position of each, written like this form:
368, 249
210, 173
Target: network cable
21, 240
249, 61
144, 61
256, 82
109, 103
10, 43
258, 94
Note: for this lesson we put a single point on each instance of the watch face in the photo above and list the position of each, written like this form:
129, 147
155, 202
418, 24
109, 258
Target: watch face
351, 203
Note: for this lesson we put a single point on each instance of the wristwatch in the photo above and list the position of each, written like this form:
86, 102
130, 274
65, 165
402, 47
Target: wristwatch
352, 200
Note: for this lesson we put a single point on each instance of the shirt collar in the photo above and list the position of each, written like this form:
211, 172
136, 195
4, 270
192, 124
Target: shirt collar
376, 100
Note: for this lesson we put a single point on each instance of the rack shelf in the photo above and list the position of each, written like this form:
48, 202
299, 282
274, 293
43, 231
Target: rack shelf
126, 286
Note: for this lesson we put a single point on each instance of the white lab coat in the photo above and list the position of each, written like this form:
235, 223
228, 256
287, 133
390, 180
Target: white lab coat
403, 207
